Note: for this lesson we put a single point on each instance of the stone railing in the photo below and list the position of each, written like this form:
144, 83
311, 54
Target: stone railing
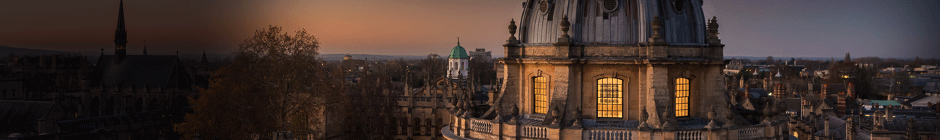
449, 134
748, 133
691, 135
481, 125
529, 131
609, 134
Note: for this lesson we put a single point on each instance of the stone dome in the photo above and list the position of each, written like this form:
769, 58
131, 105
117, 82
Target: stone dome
611, 22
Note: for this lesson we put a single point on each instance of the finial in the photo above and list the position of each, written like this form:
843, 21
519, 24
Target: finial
713, 31
102, 51
564, 27
512, 29
458, 41
657, 24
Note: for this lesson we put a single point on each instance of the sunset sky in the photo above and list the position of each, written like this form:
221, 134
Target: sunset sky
799, 28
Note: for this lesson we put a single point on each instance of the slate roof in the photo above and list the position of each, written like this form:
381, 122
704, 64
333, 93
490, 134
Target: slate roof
836, 126
141, 70
23, 114
915, 98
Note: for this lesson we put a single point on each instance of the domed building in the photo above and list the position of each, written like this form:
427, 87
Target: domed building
457, 62
613, 69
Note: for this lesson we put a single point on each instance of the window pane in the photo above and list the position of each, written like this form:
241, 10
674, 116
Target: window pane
540, 91
682, 97
610, 98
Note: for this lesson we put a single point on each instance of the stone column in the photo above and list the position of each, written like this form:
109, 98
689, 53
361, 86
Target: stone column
513, 80
562, 83
657, 97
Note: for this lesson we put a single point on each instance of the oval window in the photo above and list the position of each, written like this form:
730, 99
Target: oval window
610, 5
543, 6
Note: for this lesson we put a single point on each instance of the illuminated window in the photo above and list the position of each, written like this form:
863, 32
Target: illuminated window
609, 98
540, 90
682, 97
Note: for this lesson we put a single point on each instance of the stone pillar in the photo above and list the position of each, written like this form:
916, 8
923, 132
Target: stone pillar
716, 80
657, 97
466, 129
564, 84
513, 79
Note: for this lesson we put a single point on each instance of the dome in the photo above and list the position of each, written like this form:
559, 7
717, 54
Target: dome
458, 53
605, 22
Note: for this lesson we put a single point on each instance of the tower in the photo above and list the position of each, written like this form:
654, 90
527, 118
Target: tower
457, 62
120, 34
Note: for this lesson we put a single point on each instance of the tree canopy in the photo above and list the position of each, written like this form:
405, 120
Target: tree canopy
274, 83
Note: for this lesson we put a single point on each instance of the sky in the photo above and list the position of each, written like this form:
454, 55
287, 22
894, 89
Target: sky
789, 28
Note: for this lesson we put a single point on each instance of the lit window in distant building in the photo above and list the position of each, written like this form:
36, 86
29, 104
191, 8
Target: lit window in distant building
540, 92
609, 98
682, 97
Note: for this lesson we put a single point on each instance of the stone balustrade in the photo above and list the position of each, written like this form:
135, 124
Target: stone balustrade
481, 126
609, 134
691, 135
748, 133
529, 131
476, 128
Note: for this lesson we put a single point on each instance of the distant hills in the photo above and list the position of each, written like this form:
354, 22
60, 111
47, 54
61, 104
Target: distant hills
371, 57
5, 50
27, 51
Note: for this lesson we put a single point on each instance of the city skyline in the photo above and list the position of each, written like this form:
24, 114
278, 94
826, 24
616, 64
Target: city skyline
826, 28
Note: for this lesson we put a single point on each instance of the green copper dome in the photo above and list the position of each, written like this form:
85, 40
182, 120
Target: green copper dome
458, 52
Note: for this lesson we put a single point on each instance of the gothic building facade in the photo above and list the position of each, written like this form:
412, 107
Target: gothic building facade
613, 69
131, 96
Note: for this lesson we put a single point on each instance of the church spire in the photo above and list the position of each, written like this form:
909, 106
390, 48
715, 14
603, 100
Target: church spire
204, 60
145, 47
120, 34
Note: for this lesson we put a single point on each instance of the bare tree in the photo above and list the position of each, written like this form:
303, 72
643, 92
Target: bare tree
274, 83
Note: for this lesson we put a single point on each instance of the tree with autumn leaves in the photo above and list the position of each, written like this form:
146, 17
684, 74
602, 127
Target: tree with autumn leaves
275, 82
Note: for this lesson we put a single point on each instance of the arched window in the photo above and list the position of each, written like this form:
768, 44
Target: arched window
540, 93
682, 97
417, 127
428, 122
403, 126
609, 98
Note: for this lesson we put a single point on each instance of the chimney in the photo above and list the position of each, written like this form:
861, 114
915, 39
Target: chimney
889, 113
825, 91
826, 126
850, 128
848, 90
747, 92
840, 107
